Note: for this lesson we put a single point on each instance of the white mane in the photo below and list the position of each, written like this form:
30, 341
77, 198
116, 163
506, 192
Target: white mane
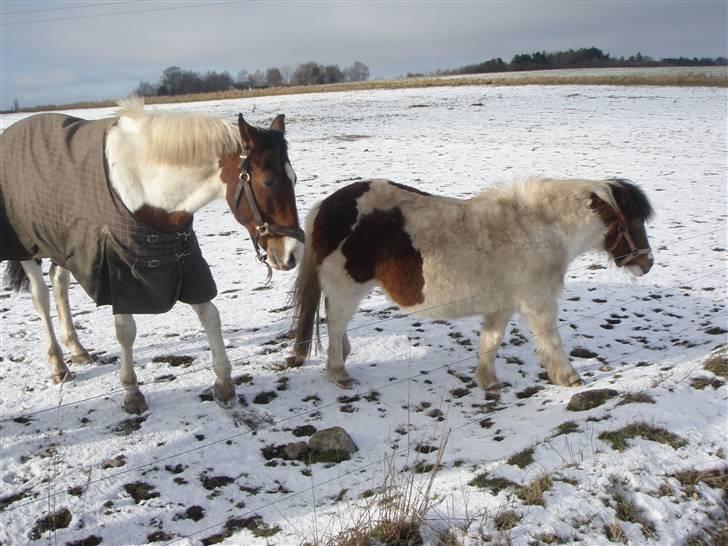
178, 138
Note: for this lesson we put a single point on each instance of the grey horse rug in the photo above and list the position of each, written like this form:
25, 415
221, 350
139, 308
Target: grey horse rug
56, 202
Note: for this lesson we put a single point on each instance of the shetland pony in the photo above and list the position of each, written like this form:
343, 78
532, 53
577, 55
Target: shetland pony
504, 250
113, 202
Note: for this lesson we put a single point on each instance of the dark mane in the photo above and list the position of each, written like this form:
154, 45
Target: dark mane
631, 200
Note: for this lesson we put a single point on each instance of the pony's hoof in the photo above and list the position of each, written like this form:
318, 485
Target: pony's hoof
135, 404
62, 377
346, 384
81, 358
224, 395
575, 382
294, 361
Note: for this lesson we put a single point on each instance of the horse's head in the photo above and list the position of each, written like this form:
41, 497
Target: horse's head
624, 216
260, 193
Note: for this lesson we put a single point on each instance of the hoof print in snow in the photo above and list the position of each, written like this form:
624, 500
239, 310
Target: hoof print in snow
528, 392
264, 397
587, 400
60, 519
305, 430
128, 426
213, 482
140, 491
459, 392
159, 536
91, 540
195, 513
716, 331
581, 352
331, 445
176, 361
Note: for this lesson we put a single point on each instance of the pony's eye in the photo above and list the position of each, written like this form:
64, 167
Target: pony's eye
270, 183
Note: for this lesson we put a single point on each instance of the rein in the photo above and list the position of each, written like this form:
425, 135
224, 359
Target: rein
263, 229
623, 233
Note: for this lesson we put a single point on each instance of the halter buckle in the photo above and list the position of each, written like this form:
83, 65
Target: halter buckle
244, 176
263, 230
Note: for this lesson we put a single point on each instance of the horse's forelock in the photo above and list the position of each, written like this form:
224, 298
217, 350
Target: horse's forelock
631, 200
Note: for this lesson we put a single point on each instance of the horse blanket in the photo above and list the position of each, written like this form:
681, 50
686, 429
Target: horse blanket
56, 201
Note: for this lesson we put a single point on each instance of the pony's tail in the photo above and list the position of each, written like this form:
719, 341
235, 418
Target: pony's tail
15, 277
306, 300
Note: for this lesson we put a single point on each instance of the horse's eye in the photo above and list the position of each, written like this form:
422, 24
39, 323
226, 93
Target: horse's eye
270, 183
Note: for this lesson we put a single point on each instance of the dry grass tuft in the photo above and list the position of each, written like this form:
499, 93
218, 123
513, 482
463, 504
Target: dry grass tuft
717, 363
716, 478
614, 532
533, 492
394, 514
618, 438
507, 520
522, 459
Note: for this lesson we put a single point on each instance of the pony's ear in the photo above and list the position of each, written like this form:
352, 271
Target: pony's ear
279, 123
248, 133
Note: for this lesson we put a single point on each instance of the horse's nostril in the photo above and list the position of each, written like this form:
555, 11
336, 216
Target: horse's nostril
291, 261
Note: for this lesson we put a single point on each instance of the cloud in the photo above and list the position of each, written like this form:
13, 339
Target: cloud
111, 54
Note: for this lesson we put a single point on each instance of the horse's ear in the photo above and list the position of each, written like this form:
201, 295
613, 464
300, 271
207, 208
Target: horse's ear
279, 123
248, 133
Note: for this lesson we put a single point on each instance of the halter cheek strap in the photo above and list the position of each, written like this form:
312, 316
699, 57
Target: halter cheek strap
263, 229
623, 233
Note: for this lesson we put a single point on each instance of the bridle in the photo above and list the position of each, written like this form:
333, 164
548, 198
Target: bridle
263, 229
623, 233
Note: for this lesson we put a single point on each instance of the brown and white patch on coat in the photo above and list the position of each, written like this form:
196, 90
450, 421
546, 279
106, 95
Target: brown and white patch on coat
371, 234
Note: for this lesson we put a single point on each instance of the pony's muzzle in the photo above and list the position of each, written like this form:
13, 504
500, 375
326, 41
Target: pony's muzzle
641, 265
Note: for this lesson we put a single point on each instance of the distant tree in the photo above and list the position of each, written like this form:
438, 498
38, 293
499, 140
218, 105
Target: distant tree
287, 73
171, 81
257, 79
333, 74
308, 74
216, 81
242, 79
146, 89
273, 77
16, 105
358, 72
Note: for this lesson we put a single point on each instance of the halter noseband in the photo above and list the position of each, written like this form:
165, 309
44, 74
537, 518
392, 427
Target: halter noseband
623, 233
262, 229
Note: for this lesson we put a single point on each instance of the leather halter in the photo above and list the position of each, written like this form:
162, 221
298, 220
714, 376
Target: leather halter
623, 233
262, 228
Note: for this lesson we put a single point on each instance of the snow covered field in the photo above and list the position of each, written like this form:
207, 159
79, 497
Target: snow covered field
183, 473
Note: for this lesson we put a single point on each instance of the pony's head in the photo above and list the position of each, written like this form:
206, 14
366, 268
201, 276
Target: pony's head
624, 209
260, 193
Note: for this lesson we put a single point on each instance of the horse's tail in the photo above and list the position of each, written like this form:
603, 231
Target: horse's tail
15, 277
306, 298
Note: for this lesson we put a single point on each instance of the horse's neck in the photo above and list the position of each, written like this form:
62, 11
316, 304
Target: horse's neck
171, 189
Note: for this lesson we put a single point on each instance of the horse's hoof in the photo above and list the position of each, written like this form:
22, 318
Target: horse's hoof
294, 361
81, 358
576, 382
135, 404
224, 394
346, 384
62, 377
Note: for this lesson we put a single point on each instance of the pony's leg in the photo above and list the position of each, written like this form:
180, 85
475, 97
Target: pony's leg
134, 401
339, 311
542, 322
42, 304
60, 279
490, 338
209, 316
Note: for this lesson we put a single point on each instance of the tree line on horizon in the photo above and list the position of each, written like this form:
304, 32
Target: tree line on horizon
179, 81
585, 57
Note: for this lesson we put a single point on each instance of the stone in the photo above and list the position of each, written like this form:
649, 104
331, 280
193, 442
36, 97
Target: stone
587, 400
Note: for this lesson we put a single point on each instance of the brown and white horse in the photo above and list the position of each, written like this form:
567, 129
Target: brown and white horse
505, 250
163, 167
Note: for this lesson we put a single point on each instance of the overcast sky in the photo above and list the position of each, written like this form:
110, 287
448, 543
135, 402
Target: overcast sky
97, 50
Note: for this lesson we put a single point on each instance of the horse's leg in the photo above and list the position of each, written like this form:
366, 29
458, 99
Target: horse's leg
42, 304
209, 316
339, 311
490, 338
542, 322
60, 279
134, 401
